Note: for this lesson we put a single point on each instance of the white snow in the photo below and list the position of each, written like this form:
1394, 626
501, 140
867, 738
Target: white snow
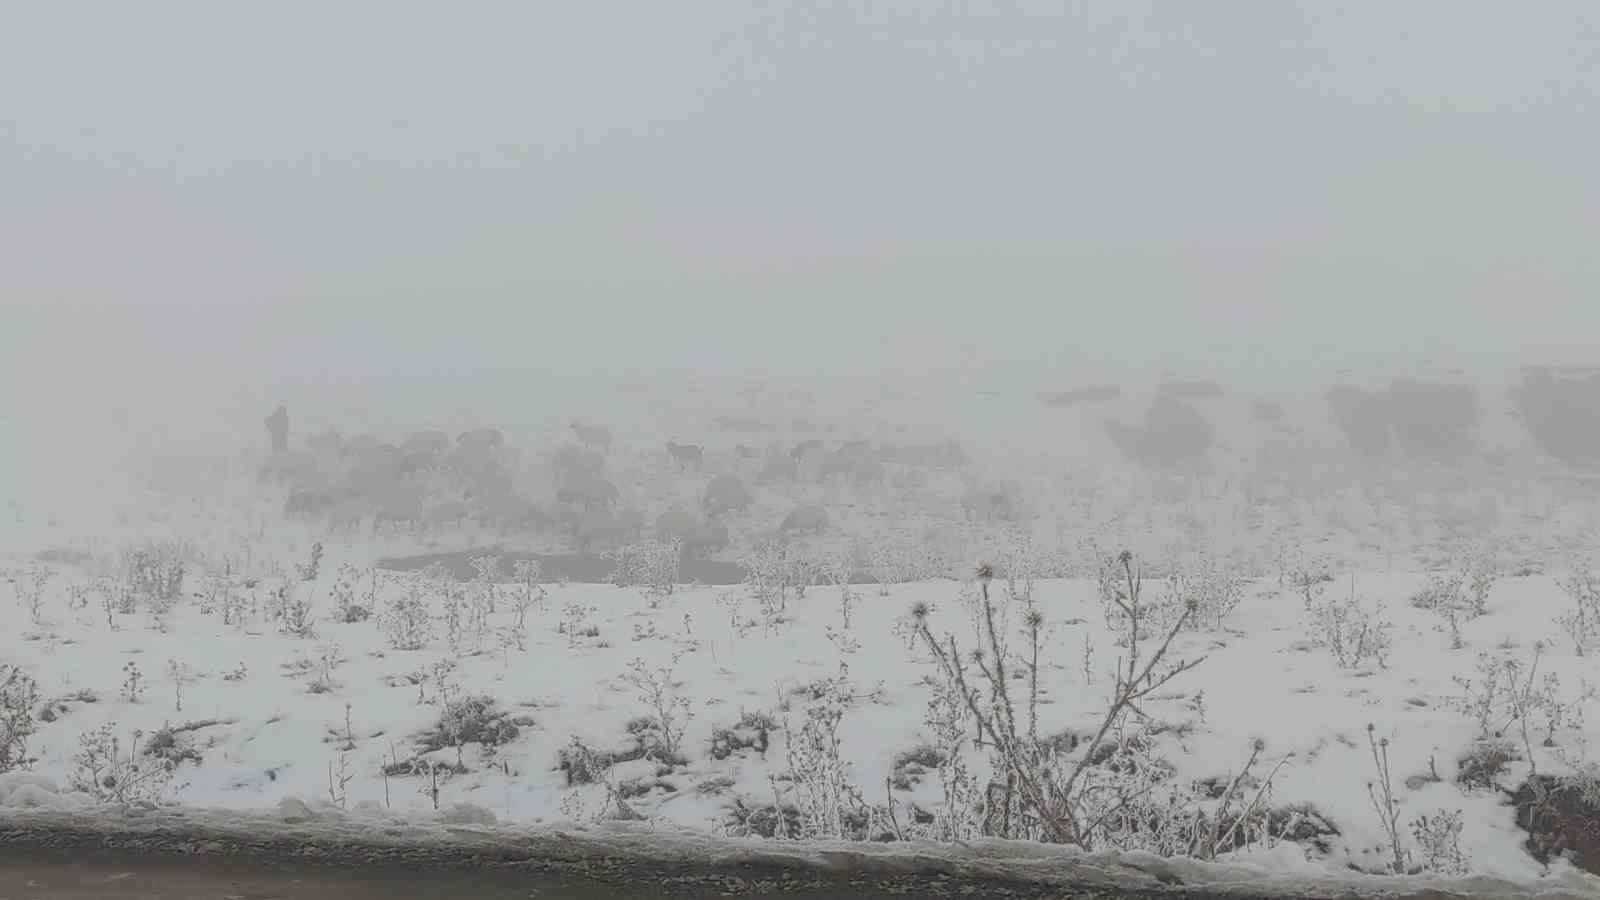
266, 761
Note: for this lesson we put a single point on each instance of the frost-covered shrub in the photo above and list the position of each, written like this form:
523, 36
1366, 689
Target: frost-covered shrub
19, 694
1210, 587
903, 562
753, 731
1439, 838
154, 572
1352, 633
294, 612
669, 711
28, 584
776, 571
651, 565
105, 772
1582, 622
1037, 792
348, 608
406, 620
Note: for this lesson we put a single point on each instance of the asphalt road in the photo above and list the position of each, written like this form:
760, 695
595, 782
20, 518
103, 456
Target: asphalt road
82, 873
92, 874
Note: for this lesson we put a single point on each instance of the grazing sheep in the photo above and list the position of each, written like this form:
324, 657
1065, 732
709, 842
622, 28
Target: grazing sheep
359, 444
1560, 408
697, 537
434, 443
347, 515
566, 516
706, 538
452, 512
481, 437
855, 449
589, 492
676, 522
686, 455
328, 442
508, 513
805, 518
631, 521
778, 469
572, 461
308, 502
598, 528
414, 462
988, 504
592, 436
931, 455
726, 493
806, 449
398, 503
297, 470
859, 469
1172, 434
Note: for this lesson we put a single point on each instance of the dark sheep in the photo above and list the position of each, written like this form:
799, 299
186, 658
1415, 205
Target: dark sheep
778, 469
593, 436
805, 518
297, 470
482, 437
725, 493
1171, 435
598, 528
988, 504
452, 512
328, 442
589, 492
706, 538
806, 449
508, 513
929, 455
572, 461
308, 502
1561, 411
434, 443
686, 455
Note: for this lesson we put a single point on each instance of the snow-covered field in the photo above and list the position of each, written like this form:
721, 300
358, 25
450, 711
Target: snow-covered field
695, 711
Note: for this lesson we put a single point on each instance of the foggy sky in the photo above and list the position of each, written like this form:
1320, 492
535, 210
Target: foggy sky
258, 190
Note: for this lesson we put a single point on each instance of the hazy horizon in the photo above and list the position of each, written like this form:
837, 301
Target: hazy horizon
199, 194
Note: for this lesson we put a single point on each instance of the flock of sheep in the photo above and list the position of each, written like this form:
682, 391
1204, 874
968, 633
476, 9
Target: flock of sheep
429, 481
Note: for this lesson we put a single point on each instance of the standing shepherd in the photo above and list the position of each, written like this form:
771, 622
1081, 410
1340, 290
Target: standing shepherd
278, 427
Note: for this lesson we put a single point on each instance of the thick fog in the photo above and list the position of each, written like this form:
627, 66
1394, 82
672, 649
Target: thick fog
202, 200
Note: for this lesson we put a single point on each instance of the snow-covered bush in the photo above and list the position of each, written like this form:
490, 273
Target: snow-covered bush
103, 771
406, 620
1212, 588
775, 572
29, 584
651, 565
1582, 622
18, 695
1351, 632
294, 611
1057, 798
903, 562
348, 608
828, 803
155, 571
670, 711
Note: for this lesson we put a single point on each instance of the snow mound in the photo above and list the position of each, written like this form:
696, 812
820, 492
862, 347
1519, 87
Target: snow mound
11, 781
